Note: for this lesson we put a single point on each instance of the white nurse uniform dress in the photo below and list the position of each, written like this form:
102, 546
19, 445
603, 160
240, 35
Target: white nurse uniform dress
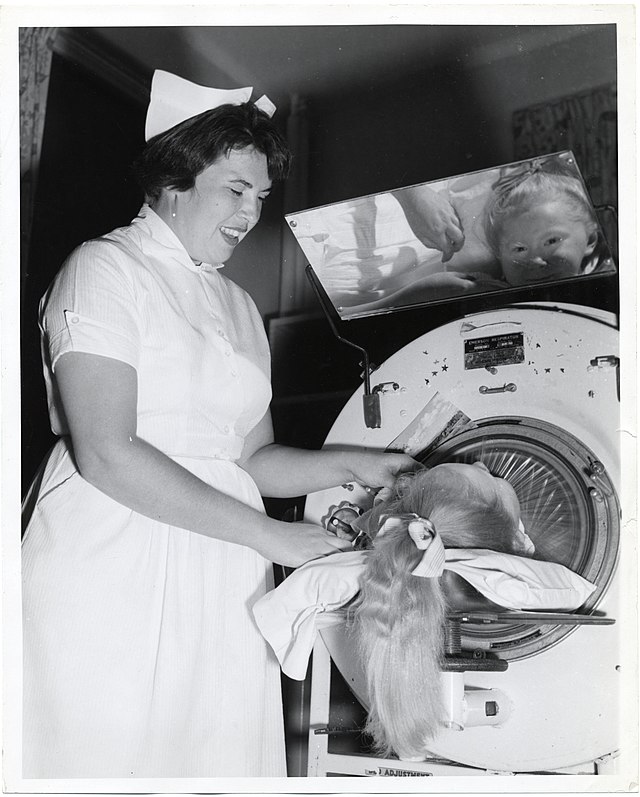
141, 655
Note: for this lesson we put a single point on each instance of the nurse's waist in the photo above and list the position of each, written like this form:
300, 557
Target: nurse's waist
198, 446
219, 470
212, 455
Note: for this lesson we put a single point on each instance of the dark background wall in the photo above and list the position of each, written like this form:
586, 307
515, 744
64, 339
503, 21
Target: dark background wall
449, 115
92, 132
440, 104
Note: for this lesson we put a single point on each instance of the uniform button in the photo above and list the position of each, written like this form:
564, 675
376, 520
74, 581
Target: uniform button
226, 430
228, 353
234, 373
75, 320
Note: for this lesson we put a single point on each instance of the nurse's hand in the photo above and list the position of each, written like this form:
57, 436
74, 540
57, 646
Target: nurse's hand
374, 469
293, 544
432, 219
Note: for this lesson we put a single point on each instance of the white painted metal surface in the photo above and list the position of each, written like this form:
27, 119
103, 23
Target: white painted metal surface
565, 698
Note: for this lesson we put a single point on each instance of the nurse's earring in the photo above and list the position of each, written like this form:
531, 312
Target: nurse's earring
175, 202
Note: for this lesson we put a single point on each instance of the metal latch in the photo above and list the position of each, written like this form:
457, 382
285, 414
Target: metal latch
507, 388
596, 472
604, 361
607, 361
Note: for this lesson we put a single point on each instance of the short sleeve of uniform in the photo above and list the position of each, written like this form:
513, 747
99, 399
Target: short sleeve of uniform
91, 306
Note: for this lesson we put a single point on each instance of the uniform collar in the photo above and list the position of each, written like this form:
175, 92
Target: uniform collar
160, 231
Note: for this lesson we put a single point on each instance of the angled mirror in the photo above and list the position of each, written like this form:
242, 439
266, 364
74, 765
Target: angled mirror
520, 225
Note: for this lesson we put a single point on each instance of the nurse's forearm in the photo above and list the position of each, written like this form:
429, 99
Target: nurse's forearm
282, 472
152, 484
147, 481
99, 395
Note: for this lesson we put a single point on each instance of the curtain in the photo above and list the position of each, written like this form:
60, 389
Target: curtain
35, 49
585, 123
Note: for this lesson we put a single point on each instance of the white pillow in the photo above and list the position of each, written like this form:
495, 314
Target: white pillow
288, 617
518, 582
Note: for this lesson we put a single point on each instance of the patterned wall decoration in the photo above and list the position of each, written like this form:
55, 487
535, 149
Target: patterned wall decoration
585, 123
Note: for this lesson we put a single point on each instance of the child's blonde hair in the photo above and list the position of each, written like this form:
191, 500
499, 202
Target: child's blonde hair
539, 181
398, 619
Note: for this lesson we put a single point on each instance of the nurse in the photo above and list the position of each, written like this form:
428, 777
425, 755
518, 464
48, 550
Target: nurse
147, 543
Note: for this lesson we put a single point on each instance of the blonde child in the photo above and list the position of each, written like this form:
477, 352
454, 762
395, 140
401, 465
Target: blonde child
418, 549
395, 612
540, 224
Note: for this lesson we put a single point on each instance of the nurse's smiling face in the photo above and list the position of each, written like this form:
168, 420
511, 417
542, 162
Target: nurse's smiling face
223, 206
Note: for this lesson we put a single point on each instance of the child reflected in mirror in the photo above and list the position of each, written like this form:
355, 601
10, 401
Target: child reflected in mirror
540, 224
519, 225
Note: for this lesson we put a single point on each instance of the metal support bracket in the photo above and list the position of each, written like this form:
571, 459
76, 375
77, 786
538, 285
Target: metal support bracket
370, 400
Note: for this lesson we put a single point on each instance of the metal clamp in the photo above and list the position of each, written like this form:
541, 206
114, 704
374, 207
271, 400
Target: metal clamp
340, 519
597, 474
386, 387
454, 661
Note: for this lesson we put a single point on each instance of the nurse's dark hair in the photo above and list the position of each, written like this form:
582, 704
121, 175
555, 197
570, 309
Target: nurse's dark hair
173, 159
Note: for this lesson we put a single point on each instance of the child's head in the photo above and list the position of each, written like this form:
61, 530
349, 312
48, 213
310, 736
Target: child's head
469, 507
540, 224
398, 618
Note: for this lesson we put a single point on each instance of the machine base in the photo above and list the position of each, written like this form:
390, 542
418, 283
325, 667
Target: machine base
322, 763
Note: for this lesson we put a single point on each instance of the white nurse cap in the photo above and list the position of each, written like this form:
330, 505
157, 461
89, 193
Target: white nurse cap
174, 100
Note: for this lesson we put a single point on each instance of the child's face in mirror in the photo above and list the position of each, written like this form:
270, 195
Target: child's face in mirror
544, 243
